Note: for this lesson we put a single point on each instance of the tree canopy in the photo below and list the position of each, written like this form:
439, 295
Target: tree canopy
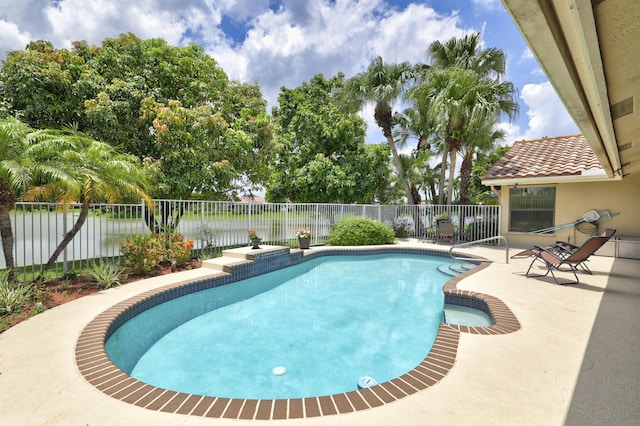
151, 99
321, 155
198, 133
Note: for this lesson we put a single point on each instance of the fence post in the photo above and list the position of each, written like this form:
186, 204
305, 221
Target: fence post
142, 215
316, 222
249, 212
499, 224
64, 232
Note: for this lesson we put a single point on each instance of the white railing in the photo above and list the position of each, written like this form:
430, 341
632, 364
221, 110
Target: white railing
213, 225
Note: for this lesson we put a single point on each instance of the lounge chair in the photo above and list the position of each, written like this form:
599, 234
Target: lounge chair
572, 256
561, 248
445, 232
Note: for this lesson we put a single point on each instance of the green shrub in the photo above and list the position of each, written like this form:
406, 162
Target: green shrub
142, 252
178, 249
13, 296
359, 232
106, 274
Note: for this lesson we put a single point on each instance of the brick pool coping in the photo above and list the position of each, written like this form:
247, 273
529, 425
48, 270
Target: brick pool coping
96, 367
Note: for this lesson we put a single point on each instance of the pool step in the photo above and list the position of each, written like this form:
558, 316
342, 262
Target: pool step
218, 263
238, 255
456, 268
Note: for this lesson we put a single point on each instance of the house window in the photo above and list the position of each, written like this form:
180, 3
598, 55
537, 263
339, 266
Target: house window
531, 209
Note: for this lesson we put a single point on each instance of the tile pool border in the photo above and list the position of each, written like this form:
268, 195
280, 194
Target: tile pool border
97, 369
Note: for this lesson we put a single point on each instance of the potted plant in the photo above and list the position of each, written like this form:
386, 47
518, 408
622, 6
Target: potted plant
304, 238
255, 240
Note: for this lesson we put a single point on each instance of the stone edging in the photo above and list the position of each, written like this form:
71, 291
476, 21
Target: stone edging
96, 367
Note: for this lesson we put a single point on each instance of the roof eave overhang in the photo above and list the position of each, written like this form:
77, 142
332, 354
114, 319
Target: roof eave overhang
562, 36
550, 180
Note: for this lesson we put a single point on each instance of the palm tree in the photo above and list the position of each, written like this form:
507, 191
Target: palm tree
465, 53
381, 84
482, 140
464, 83
87, 171
411, 174
429, 180
14, 141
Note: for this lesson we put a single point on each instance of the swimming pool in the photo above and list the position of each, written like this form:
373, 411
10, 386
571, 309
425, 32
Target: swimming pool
99, 371
308, 330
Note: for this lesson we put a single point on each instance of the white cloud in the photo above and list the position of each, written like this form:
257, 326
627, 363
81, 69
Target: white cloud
526, 55
487, 4
414, 29
547, 114
241, 10
287, 46
11, 38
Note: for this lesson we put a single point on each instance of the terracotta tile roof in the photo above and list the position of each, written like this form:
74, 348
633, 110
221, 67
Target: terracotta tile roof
559, 156
253, 199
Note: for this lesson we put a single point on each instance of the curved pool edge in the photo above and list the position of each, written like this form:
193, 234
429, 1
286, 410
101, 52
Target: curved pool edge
97, 369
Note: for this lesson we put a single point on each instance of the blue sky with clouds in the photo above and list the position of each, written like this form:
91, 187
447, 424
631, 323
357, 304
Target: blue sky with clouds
285, 42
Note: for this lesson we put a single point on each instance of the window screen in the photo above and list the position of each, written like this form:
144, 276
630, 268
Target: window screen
531, 209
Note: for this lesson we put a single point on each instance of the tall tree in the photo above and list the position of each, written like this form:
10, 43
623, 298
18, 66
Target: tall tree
38, 85
321, 155
481, 141
479, 192
106, 90
382, 84
466, 53
470, 94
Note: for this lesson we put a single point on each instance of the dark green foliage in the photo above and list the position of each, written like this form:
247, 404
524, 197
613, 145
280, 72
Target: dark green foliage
479, 193
321, 154
360, 232
172, 107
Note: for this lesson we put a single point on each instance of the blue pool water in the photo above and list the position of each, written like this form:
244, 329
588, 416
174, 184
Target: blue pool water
308, 330
462, 315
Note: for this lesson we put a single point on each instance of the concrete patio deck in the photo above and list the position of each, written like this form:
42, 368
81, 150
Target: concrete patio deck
575, 360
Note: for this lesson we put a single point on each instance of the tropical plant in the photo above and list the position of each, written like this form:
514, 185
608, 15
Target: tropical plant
12, 295
483, 140
178, 249
479, 192
77, 168
106, 274
14, 141
24, 165
142, 253
359, 232
466, 94
381, 84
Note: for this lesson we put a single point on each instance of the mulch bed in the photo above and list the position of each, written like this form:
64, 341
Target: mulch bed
59, 291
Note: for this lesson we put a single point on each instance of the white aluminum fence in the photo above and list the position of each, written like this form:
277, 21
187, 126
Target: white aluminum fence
213, 225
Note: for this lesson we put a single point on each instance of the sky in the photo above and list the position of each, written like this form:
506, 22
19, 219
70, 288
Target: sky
286, 42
